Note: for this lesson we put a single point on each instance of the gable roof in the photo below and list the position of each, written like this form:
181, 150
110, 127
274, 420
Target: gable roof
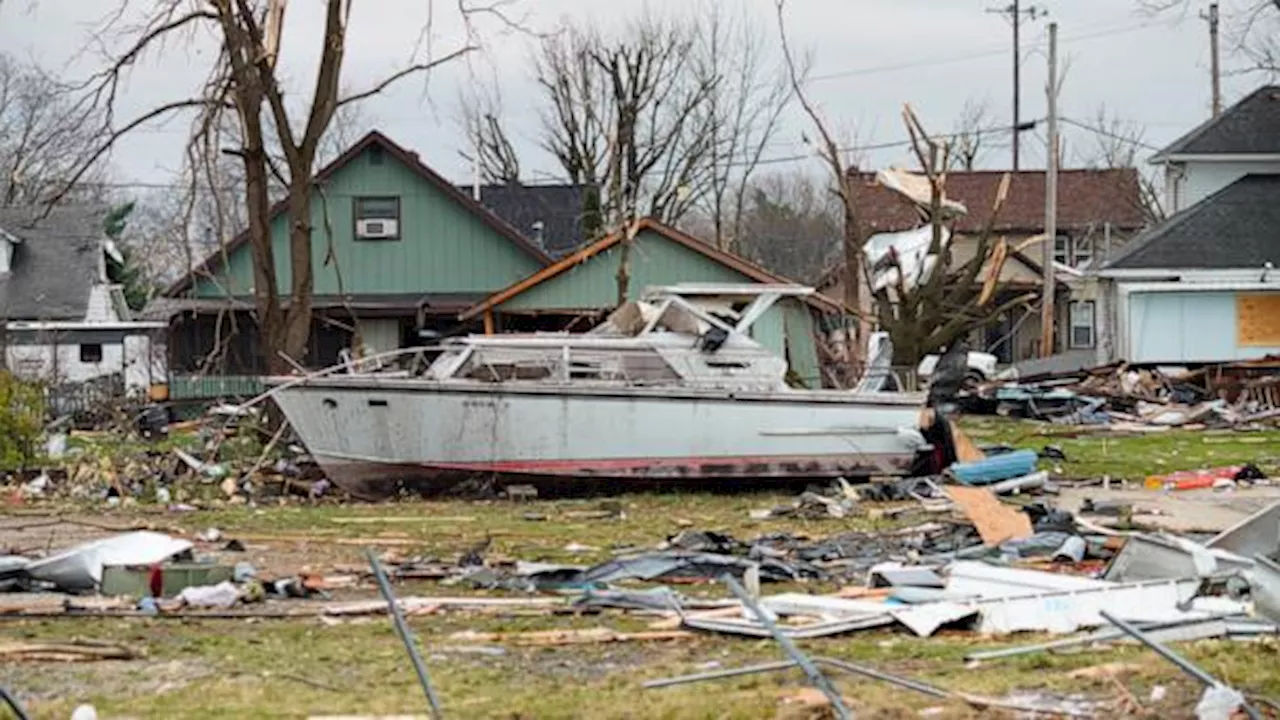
1236, 227
406, 157
55, 264
1250, 127
557, 207
1087, 199
735, 262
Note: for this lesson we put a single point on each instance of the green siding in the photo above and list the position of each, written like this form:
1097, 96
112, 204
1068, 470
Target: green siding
443, 248
656, 260
802, 352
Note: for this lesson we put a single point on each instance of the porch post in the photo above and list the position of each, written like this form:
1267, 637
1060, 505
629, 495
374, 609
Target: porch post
488, 322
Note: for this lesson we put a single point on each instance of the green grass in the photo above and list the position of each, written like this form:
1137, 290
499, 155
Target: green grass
290, 669
1131, 457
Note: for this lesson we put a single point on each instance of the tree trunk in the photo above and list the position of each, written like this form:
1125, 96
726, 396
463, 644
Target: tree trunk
297, 320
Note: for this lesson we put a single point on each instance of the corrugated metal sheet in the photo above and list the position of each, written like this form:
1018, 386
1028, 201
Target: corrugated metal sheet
442, 247
1192, 326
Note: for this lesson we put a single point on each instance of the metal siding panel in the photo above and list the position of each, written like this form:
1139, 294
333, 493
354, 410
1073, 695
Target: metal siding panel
442, 247
1186, 327
770, 331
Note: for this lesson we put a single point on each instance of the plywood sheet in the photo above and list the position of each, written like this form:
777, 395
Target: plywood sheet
996, 522
1258, 319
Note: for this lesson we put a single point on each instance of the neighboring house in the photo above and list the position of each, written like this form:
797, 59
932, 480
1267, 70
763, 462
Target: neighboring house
1098, 210
583, 287
64, 322
397, 252
550, 215
1201, 285
1241, 141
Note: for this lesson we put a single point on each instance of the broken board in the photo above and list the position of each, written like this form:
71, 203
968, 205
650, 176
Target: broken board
996, 522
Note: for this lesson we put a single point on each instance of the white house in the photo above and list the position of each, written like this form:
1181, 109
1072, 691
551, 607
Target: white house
64, 322
1201, 285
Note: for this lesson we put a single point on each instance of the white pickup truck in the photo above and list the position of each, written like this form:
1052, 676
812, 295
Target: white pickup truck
982, 367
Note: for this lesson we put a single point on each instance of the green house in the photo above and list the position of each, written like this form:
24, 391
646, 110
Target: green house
580, 287
396, 250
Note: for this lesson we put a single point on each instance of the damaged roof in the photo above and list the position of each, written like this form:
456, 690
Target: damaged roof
55, 263
1250, 127
1236, 227
557, 207
1087, 200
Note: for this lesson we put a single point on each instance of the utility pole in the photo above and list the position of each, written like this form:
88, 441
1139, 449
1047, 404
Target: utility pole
1047, 335
1214, 57
1016, 13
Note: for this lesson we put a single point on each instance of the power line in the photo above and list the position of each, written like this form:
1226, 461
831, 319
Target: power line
951, 60
1107, 133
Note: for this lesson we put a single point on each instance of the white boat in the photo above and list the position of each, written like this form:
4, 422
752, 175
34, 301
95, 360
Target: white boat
670, 387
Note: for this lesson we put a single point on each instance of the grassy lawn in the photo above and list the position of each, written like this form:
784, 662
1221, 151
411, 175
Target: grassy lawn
293, 668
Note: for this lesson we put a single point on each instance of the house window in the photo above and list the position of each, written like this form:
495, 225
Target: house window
377, 218
1062, 250
91, 353
1082, 324
1081, 252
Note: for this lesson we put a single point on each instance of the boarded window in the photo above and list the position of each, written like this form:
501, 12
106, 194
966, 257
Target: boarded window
1258, 319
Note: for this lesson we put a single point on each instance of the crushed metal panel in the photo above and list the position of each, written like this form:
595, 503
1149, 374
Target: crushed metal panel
1156, 557
1258, 534
1264, 581
1181, 631
969, 578
799, 632
923, 620
1069, 610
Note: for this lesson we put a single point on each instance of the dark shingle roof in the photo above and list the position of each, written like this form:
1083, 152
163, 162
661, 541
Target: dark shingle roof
1250, 127
1236, 227
55, 265
557, 207
1087, 199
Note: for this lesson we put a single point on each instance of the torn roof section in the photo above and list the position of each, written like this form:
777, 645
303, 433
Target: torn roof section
1087, 200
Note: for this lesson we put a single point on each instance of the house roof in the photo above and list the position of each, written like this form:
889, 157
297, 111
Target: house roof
557, 207
410, 160
751, 270
1087, 199
1236, 227
1250, 127
56, 263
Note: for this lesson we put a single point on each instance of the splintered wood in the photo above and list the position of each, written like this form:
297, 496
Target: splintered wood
996, 522
588, 636
73, 651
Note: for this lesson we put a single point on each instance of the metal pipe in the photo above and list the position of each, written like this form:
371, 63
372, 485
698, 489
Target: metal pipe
18, 711
841, 665
1182, 663
406, 635
815, 675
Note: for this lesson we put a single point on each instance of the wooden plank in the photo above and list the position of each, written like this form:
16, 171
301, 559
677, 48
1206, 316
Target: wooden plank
996, 522
1258, 319
966, 451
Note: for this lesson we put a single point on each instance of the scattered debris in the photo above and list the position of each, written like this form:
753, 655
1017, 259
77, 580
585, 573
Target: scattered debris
65, 651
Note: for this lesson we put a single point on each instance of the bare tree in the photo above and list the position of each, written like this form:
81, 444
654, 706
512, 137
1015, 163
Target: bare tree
44, 138
490, 148
856, 291
245, 107
790, 224
741, 113
971, 138
1251, 29
952, 300
1117, 143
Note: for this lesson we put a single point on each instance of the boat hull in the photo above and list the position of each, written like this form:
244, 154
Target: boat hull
375, 437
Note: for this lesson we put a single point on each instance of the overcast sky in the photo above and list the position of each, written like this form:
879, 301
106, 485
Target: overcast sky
870, 56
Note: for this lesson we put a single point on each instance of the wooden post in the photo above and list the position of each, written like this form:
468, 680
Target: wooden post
488, 322
1047, 335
